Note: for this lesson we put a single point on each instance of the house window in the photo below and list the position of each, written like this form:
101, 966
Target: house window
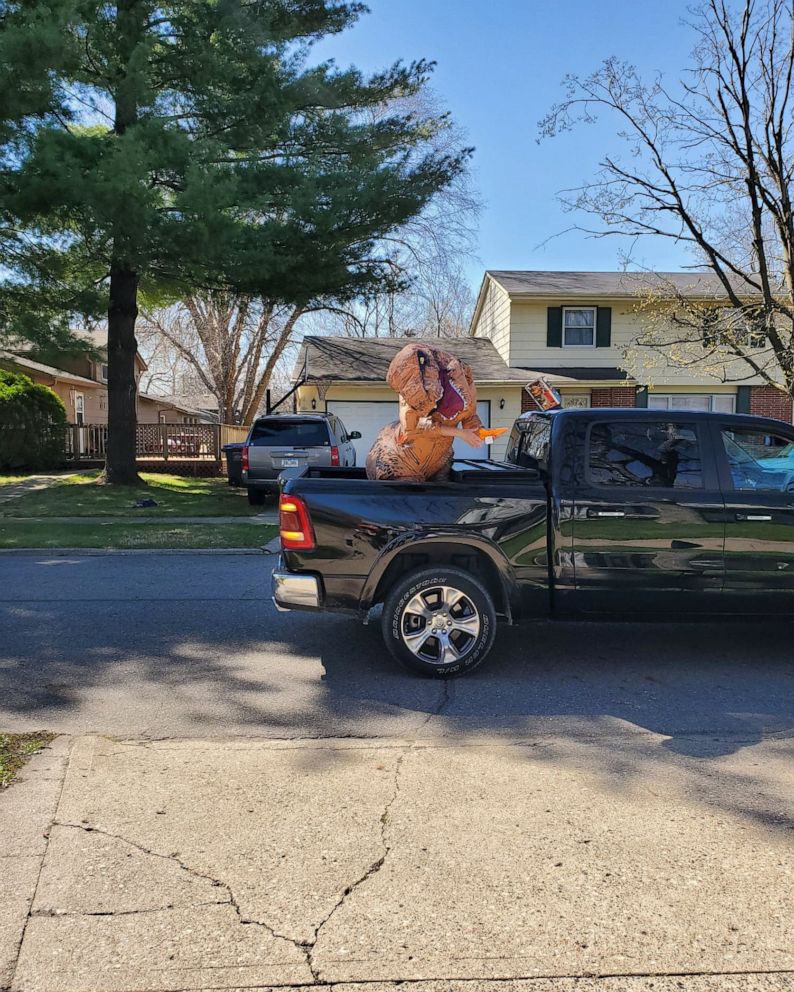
103, 372
707, 402
578, 327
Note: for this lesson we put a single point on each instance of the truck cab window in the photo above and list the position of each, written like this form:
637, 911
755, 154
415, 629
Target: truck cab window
759, 461
528, 446
645, 454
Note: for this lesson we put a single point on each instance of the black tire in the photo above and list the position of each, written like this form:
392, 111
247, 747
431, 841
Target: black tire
463, 632
256, 497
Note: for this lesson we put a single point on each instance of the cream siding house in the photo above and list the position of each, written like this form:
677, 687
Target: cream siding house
346, 377
575, 328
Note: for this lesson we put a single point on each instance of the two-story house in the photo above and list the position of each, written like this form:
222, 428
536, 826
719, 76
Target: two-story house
575, 328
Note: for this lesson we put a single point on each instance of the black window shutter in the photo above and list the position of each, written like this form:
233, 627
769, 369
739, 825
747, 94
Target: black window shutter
641, 399
554, 327
743, 399
604, 327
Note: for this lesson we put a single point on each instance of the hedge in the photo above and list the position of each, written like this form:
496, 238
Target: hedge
32, 424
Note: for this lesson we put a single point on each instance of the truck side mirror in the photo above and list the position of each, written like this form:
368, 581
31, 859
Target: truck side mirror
354, 435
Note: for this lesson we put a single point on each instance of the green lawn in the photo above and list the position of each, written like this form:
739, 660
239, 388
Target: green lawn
123, 535
9, 480
175, 495
15, 749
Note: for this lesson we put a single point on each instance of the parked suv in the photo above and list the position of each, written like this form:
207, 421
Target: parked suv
298, 440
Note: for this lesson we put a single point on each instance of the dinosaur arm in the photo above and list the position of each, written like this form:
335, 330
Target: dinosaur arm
471, 422
413, 429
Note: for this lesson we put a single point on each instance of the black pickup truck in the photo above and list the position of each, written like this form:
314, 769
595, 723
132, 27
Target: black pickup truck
620, 513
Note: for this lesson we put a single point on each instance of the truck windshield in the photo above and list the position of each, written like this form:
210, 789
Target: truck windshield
289, 433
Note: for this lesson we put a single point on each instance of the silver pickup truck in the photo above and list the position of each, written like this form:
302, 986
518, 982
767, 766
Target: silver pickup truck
298, 440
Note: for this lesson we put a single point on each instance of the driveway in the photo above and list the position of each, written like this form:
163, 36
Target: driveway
247, 799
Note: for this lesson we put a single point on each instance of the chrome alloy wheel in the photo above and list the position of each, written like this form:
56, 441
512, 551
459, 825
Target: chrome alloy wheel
440, 624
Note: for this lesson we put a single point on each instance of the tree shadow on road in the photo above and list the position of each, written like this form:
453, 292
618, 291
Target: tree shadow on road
236, 666
191, 664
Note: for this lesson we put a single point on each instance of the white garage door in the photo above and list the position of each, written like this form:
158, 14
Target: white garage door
369, 417
462, 450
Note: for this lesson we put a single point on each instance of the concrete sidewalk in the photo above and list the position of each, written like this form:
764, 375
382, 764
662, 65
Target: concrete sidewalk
556, 864
32, 484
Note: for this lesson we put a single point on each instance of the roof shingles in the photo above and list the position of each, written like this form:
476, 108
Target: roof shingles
561, 285
340, 359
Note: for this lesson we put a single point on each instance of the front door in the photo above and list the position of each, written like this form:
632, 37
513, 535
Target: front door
757, 470
647, 519
79, 419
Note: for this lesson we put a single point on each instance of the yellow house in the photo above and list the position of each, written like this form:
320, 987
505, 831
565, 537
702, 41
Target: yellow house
574, 328
346, 377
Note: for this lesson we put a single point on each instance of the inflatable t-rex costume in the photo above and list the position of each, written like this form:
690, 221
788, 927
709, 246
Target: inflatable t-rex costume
437, 396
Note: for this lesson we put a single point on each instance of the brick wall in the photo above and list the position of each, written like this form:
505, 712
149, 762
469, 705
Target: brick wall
623, 396
766, 401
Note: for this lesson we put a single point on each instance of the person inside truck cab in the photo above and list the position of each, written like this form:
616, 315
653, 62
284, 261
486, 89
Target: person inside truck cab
438, 403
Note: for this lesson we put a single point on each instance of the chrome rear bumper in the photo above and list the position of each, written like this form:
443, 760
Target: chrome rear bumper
291, 591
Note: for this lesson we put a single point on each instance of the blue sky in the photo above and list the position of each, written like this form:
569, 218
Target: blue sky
500, 66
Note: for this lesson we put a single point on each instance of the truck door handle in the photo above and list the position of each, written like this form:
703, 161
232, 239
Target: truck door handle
605, 513
753, 516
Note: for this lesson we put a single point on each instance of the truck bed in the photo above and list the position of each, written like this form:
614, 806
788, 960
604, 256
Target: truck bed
360, 525
464, 470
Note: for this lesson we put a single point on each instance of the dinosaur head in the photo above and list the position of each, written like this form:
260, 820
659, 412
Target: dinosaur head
432, 381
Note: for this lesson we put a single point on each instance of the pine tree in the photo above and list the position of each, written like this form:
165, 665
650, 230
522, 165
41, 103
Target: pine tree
156, 149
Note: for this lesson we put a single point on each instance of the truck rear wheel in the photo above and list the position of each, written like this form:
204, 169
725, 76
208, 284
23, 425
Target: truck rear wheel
439, 621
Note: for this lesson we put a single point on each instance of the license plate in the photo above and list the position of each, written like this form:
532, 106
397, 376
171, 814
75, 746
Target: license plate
289, 463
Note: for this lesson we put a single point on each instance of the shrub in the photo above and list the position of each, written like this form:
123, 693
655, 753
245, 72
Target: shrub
32, 424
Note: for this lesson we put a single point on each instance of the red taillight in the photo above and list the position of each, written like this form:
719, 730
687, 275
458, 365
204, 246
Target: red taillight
295, 527
335, 456
245, 458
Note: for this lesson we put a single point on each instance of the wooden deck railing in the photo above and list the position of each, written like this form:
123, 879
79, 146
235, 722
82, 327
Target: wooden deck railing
169, 442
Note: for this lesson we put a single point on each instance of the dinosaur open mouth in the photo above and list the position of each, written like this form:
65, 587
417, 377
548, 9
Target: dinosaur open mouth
451, 402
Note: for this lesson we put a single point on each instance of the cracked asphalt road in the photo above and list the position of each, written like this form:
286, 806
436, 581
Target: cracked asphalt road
242, 799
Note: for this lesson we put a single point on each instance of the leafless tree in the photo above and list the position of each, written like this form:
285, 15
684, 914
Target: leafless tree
437, 303
443, 300
707, 163
167, 371
226, 345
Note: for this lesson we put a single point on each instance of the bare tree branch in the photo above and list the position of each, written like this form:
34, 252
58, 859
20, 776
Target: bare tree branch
708, 164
